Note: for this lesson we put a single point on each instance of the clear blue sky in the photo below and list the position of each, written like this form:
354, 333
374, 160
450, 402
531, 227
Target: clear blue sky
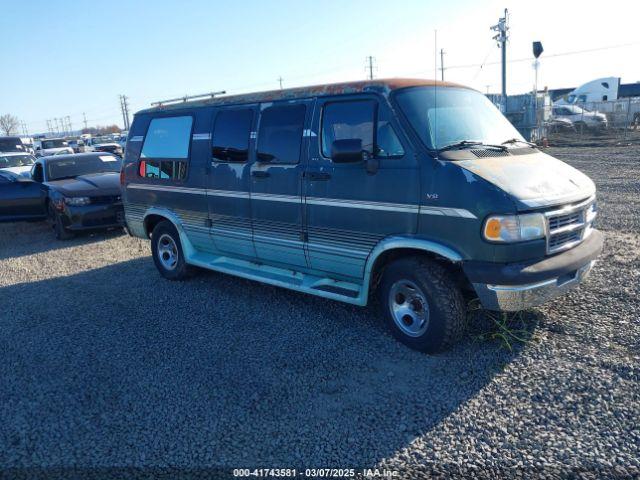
64, 57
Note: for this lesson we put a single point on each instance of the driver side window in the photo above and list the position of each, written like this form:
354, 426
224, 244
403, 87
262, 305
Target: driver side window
357, 120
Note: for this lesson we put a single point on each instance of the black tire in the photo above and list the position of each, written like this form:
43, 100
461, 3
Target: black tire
443, 321
160, 244
55, 220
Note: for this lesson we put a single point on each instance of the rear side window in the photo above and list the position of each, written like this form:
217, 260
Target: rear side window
280, 134
166, 148
230, 139
357, 120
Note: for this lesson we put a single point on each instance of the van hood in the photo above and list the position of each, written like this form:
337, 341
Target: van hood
534, 180
96, 184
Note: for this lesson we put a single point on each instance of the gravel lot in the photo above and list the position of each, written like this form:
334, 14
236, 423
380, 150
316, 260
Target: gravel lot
107, 365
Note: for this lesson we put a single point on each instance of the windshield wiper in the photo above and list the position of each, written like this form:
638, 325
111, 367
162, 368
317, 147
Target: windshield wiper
470, 143
517, 140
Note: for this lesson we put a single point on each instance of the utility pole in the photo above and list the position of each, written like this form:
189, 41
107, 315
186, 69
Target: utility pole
370, 67
125, 111
84, 119
502, 27
280, 82
442, 64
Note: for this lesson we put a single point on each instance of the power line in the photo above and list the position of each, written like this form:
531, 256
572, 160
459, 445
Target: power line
561, 54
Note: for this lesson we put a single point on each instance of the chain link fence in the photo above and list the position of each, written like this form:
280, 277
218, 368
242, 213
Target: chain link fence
585, 124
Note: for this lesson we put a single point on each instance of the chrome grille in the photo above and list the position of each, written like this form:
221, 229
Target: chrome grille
563, 220
570, 225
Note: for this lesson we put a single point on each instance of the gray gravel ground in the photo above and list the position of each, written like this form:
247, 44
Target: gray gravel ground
105, 364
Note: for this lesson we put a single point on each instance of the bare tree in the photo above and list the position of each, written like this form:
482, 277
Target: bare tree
8, 123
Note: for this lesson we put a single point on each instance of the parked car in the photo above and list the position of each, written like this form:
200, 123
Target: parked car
77, 145
106, 144
82, 191
18, 163
20, 198
579, 117
350, 190
16, 144
53, 146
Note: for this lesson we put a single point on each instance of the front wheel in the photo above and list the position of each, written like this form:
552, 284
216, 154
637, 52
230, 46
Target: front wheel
167, 252
424, 308
55, 220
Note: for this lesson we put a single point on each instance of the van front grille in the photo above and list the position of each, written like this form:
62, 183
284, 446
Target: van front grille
569, 226
557, 241
564, 220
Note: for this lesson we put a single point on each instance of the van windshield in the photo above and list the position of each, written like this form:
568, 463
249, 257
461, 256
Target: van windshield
453, 115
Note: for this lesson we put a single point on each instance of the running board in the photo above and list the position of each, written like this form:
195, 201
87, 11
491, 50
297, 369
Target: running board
302, 282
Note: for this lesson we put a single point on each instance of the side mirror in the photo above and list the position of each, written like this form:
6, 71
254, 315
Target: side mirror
347, 151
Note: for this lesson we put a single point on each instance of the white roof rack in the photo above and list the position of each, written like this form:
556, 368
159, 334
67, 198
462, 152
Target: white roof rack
186, 98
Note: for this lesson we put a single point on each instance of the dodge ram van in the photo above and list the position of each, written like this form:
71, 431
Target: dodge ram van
417, 191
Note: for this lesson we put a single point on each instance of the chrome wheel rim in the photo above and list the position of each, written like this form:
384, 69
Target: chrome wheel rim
167, 251
409, 308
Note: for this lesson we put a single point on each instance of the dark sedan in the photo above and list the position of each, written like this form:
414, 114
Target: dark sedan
82, 190
20, 198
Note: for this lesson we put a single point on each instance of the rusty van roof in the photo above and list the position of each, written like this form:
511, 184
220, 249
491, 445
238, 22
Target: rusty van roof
377, 85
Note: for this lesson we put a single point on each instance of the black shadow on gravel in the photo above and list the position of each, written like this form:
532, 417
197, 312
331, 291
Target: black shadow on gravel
119, 367
40, 238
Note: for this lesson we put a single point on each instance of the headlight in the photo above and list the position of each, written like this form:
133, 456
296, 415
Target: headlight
77, 201
514, 228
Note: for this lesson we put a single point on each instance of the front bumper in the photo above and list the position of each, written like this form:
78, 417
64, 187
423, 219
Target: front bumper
88, 217
517, 286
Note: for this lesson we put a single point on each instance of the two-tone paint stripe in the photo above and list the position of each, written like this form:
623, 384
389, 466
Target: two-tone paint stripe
329, 202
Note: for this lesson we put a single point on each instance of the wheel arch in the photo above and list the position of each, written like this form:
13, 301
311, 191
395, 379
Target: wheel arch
394, 248
155, 215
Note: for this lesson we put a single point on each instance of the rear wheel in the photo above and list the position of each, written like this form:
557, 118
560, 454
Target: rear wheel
167, 252
423, 306
55, 220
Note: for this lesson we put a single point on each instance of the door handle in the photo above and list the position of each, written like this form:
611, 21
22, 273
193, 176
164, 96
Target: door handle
319, 176
260, 174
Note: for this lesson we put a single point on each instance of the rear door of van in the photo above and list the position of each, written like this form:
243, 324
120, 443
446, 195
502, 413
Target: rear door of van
276, 182
348, 209
231, 154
